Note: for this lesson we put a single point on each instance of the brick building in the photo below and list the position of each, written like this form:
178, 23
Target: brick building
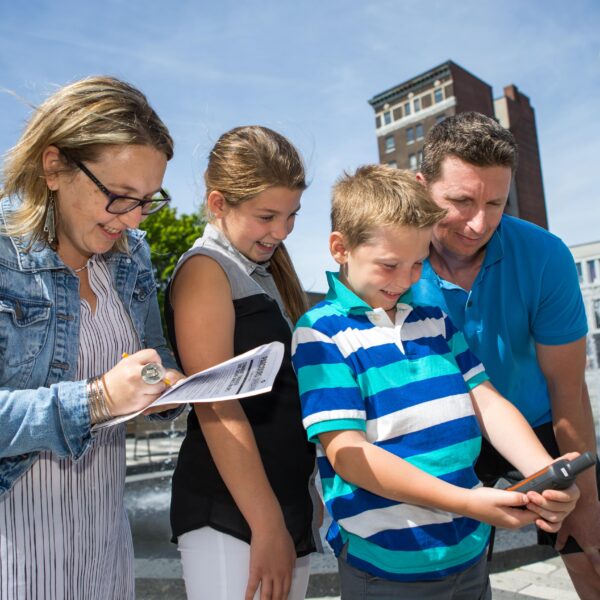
405, 113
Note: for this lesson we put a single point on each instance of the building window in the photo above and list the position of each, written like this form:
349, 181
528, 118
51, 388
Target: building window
387, 117
438, 95
579, 272
410, 135
419, 158
439, 118
591, 265
596, 338
419, 131
393, 164
406, 109
390, 144
417, 103
597, 312
412, 162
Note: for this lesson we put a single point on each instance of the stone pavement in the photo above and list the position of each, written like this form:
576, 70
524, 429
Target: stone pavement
520, 570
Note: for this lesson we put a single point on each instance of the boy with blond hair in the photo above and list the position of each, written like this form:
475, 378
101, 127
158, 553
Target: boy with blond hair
397, 404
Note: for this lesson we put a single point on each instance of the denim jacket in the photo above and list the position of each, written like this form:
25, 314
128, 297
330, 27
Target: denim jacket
41, 407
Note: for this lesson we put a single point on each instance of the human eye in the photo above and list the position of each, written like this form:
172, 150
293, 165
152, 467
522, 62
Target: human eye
265, 218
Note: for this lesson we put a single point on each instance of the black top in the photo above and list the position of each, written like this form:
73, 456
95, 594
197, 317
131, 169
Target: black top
200, 497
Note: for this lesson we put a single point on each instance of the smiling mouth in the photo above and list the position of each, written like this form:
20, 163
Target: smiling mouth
470, 239
267, 245
391, 294
111, 230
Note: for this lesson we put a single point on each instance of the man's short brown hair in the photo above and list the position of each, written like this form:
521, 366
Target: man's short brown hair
472, 137
378, 195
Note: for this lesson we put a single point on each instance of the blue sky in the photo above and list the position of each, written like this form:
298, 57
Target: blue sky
307, 69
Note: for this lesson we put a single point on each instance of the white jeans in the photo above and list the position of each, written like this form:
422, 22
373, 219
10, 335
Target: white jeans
216, 566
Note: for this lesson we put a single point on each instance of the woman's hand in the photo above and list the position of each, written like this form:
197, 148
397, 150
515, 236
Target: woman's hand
272, 561
171, 378
127, 391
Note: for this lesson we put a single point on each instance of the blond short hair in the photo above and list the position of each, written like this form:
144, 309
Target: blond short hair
376, 196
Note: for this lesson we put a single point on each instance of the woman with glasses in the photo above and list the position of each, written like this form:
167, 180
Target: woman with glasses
76, 294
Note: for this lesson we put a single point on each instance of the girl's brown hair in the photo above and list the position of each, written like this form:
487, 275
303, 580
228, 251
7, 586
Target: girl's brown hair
246, 161
82, 119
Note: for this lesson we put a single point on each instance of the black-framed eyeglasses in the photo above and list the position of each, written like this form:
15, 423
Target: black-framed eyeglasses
119, 205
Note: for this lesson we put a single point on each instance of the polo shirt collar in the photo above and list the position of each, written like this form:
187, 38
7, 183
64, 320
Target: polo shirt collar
495, 248
349, 302
494, 252
220, 239
343, 297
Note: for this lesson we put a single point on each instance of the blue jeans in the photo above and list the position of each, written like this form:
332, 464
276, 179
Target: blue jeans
471, 584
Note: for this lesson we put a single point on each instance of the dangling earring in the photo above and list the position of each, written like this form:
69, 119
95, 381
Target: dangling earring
50, 221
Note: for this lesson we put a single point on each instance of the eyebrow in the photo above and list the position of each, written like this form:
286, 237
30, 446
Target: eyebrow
128, 189
275, 212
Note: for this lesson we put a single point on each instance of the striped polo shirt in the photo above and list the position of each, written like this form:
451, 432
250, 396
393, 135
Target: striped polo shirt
406, 385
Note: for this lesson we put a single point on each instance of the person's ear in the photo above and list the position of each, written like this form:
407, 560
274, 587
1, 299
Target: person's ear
421, 178
216, 204
52, 164
338, 247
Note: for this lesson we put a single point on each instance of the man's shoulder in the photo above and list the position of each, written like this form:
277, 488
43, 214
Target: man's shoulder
529, 249
519, 232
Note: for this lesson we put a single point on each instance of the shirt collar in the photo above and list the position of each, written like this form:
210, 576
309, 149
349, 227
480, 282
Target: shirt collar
494, 252
220, 239
343, 297
495, 248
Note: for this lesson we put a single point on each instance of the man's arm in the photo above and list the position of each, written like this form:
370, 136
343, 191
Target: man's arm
563, 367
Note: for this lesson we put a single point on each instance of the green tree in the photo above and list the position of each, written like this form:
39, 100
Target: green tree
169, 236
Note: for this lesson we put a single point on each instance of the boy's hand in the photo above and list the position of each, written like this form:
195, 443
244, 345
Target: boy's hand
552, 506
499, 508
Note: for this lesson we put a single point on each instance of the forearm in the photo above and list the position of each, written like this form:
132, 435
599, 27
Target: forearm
233, 448
508, 431
574, 430
374, 469
564, 370
55, 419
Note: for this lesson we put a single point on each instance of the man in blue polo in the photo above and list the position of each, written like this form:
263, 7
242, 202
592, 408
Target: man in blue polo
513, 290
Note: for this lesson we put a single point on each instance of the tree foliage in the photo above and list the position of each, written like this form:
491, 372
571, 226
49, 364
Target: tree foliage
169, 236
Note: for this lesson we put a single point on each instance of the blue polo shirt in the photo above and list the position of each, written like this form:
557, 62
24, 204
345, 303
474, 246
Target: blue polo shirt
526, 292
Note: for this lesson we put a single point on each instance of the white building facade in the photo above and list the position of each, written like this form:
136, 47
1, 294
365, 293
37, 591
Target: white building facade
587, 261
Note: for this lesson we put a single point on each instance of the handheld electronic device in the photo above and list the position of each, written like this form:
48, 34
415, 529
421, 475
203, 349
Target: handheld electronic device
557, 476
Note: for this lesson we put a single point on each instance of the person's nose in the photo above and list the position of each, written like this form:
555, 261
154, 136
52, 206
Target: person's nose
477, 222
403, 279
281, 229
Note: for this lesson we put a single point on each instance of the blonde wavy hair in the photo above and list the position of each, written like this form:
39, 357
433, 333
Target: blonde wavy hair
81, 119
246, 161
